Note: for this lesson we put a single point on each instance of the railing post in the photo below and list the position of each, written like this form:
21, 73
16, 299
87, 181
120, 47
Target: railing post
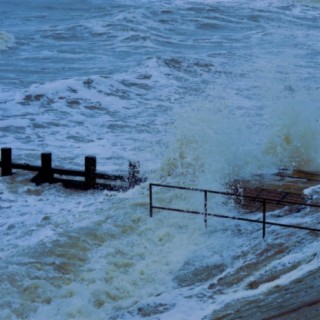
6, 162
264, 218
150, 201
90, 164
205, 208
46, 167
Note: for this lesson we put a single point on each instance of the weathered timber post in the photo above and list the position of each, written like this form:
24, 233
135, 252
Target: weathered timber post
45, 173
133, 177
6, 162
46, 167
90, 164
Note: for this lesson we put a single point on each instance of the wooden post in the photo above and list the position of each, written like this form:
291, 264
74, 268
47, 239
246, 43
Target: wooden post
6, 162
90, 164
133, 177
46, 167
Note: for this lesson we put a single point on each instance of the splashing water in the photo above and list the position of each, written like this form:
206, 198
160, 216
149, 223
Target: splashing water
200, 92
294, 141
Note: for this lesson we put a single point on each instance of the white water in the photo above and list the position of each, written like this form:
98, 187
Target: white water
199, 92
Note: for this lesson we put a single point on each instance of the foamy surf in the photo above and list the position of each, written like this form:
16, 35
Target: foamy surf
200, 92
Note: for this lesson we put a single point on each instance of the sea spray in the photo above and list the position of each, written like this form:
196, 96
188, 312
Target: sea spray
215, 143
295, 130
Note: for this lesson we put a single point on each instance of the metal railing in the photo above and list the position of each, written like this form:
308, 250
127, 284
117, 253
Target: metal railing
264, 201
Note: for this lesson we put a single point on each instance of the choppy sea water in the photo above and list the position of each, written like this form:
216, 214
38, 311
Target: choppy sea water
199, 92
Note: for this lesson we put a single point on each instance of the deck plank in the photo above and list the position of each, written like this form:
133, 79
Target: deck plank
284, 185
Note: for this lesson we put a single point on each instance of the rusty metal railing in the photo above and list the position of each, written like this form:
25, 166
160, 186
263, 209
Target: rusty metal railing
264, 201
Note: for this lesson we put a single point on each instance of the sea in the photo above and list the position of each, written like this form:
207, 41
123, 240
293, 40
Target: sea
199, 93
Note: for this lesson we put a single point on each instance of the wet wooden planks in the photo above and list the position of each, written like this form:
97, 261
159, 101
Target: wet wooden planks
284, 185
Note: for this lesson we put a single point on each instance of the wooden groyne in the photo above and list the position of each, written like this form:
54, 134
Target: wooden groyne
85, 179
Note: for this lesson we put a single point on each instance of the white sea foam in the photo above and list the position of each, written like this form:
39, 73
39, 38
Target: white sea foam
241, 88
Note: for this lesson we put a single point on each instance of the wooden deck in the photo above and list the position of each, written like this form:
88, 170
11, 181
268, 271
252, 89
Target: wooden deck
284, 185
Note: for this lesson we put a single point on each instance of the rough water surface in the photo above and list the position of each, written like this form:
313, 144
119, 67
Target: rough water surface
200, 92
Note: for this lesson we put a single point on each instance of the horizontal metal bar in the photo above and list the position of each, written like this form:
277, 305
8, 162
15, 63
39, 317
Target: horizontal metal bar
238, 218
209, 214
185, 188
258, 199
234, 218
176, 210
292, 226
267, 222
